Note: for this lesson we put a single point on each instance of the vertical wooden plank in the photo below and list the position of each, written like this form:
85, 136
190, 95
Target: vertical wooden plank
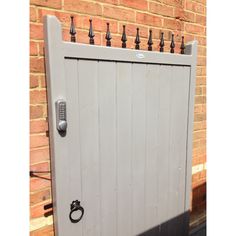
89, 150
73, 157
177, 147
163, 137
152, 145
138, 146
107, 137
124, 164
58, 145
182, 73
191, 49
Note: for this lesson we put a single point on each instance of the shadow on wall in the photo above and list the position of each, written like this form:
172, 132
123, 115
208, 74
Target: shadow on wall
198, 199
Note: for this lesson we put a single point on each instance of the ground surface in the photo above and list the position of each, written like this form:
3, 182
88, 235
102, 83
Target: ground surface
199, 230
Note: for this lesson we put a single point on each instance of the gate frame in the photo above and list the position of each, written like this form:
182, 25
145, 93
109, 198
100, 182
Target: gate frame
56, 50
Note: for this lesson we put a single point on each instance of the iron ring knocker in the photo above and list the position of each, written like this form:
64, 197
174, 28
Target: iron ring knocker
75, 206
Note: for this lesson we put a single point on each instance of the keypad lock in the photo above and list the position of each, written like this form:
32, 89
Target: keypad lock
61, 115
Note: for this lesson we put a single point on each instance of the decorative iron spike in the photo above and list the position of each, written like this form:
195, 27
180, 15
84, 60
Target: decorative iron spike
91, 34
150, 42
172, 44
123, 38
108, 36
162, 43
182, 47
72, 30
137, 40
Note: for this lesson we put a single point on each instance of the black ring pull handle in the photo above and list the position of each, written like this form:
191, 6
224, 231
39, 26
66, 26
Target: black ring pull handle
75, 206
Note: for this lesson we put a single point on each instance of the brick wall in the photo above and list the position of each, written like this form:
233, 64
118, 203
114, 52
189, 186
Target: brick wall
183, 17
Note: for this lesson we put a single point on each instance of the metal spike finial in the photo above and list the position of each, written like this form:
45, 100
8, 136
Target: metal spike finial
172, 44
123, 38
162, 43
137, 40
72, 30
150, 42
182, 47
91, 34
108, 36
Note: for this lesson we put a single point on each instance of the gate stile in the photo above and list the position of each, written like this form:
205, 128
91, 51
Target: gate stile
120, 123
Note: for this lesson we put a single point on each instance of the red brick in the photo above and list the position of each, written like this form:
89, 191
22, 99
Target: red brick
116, 42
200, 99
42, 79
204, 92
181, 14
40, 196
37, 184
201, 61
82, 36
38, 141
202, 158
33, 16
42, 12
195, 177
44, 166
34, 83
201, 19
114, 2
36, 31
203, 174
137, 4
177, 3
199, 116
87, 7
41, 48
201, 51
119, 13
38, 126
199, 134
201, 1
64, 18
201, 71
147, 19
160, 9
36, 112
39, 155
45, 231
37, 64
131, 30
33, 48
198, 107
195, 7
38, 96
47, 3
197, 125
194, 29
100, 24
38, 210
201, 40
173, 24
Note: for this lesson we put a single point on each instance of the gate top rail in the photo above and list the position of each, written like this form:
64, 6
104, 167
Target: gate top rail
91, 51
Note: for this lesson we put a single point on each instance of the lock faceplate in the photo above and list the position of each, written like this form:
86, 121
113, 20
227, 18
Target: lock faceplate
61, 115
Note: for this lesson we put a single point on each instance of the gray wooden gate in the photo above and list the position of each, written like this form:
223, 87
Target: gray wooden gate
126, 152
